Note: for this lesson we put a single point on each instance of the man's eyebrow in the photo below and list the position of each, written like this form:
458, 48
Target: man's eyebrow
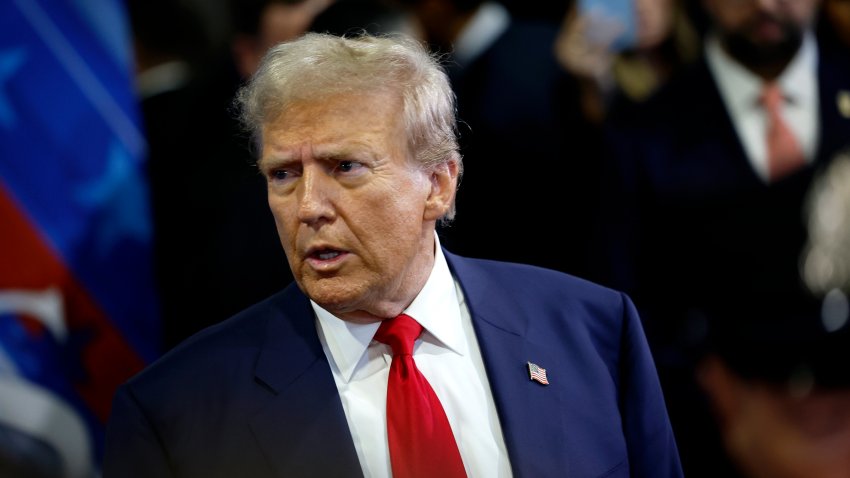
353, 149
333, 153
276, 161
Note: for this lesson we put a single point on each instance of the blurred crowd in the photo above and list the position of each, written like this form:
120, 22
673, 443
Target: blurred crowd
694, 154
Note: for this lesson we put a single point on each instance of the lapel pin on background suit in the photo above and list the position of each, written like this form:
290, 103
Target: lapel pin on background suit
537, 373
843, 100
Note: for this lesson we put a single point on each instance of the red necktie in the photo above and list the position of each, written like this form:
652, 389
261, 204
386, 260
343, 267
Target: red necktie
421, 441
784, 155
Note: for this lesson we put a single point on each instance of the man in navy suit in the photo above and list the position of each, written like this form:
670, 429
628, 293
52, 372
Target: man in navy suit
358, 146
699, 216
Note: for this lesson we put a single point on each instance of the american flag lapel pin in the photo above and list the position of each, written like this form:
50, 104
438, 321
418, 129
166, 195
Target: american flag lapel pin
537, 373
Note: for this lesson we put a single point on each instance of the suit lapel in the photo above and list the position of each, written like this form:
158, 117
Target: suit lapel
727, 154
302, 428
529, 413
692, 155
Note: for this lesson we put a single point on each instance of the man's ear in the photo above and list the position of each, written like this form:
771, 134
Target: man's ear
443, 187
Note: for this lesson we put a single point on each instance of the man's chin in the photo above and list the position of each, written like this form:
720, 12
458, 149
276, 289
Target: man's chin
334, 294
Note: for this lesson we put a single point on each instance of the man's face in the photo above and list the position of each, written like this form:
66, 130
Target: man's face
761, 30
354, 214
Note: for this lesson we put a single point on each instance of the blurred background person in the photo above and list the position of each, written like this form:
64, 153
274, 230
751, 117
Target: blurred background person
708, 188
513, 105
613, 64
777, 377
617, 54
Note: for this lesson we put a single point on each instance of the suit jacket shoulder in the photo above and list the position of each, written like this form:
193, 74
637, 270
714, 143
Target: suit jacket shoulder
521, 291
602, 413
251, 396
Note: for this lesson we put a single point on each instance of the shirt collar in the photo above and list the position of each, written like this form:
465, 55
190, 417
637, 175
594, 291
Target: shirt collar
741, 88
435, 308
798, 80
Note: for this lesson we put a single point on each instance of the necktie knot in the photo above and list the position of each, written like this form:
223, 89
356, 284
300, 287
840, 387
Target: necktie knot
771, 97
399, 333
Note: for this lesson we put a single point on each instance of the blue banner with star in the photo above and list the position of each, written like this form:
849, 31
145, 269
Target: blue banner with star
78, 311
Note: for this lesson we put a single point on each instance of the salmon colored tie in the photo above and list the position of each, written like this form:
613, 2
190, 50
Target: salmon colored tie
784, 155
421, 441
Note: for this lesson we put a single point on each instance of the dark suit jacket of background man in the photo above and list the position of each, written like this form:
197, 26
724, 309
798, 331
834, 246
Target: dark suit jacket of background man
255, 396
689, 227
522, 136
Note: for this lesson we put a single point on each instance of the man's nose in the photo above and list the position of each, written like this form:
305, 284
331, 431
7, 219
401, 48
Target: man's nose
314, 197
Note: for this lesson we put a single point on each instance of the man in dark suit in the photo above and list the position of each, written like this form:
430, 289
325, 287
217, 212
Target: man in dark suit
531, 372
514, 102
706, 203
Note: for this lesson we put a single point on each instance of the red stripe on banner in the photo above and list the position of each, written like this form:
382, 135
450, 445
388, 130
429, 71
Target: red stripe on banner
32, 326
28, 263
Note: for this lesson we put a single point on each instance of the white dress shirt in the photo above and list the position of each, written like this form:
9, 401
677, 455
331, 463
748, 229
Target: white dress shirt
448, 356
740, 90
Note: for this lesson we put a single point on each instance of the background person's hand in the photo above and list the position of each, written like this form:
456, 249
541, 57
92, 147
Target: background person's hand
584, 46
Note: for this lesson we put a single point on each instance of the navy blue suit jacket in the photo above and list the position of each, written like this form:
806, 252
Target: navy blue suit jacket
255, 396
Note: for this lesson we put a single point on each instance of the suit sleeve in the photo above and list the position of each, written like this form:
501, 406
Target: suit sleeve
133, 449
649, 435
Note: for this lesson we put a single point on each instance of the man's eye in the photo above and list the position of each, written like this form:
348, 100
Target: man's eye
348, 166
282, 175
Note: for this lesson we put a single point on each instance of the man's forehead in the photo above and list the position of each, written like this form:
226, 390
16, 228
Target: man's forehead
344, 147
369, 108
